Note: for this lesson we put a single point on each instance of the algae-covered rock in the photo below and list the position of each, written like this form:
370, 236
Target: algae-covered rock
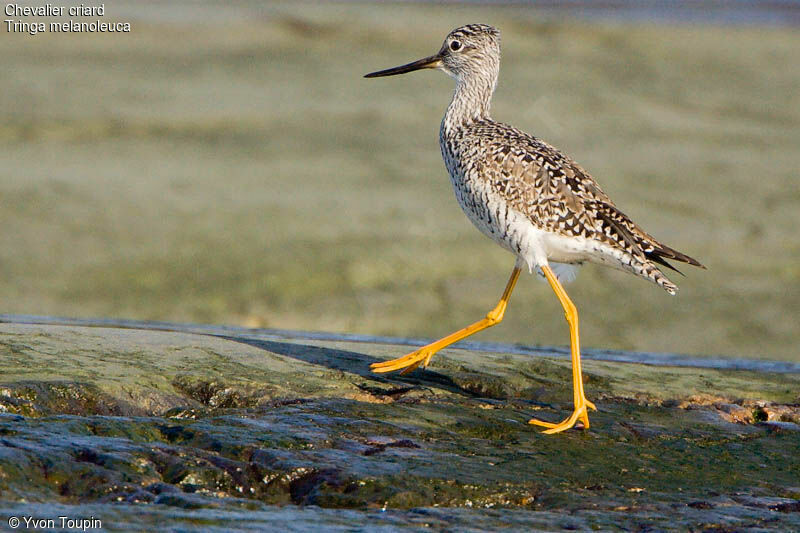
243, 430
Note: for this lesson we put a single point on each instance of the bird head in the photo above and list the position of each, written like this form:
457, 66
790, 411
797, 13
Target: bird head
469, 50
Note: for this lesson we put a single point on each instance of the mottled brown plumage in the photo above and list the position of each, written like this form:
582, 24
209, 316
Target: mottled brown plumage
554, 193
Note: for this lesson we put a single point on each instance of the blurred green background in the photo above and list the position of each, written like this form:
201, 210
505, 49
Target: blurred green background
229, 164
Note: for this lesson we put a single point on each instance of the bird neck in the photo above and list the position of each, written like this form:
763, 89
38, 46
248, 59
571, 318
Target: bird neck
471, 99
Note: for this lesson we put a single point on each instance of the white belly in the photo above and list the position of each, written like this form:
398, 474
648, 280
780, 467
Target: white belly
533, 246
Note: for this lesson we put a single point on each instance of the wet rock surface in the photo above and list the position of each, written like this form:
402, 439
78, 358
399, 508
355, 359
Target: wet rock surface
197, 432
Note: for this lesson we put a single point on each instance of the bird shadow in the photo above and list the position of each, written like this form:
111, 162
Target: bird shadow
352, 363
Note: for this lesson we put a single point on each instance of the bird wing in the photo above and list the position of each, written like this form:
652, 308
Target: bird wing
558, 195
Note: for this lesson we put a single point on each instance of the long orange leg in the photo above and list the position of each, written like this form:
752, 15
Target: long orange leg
423, 355
579, 399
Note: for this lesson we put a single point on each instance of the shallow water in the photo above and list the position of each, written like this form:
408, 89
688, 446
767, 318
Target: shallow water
619, 356
740, 12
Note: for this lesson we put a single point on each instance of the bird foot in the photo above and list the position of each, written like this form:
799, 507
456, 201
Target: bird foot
407, 363
580, 413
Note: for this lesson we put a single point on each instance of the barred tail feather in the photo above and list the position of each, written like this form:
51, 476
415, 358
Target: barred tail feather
651, 272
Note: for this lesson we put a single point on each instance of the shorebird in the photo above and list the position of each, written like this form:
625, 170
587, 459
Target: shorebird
529, 198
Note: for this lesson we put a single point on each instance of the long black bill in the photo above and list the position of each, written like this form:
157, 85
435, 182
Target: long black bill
428, 62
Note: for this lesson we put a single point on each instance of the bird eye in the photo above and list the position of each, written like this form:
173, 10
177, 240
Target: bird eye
455, 45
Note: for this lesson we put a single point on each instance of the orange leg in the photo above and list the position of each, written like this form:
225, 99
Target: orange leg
579, 399
423, 355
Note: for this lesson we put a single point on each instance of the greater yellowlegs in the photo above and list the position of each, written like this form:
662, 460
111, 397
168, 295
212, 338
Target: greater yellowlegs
529, 198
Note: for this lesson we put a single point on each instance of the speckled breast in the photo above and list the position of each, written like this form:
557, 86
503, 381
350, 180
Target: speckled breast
483, 206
